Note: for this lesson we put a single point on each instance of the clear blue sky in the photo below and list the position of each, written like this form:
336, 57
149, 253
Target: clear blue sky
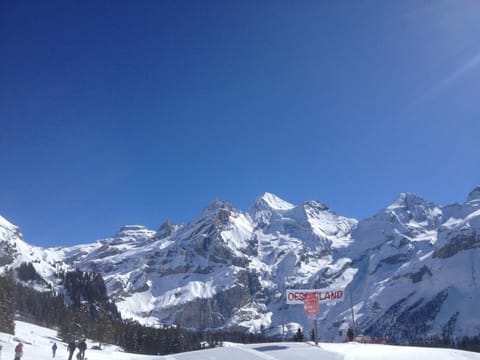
132, 112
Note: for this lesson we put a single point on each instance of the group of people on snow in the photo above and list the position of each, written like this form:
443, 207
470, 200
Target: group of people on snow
82, 346
71, 347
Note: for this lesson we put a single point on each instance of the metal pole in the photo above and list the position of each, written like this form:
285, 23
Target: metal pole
283, 301
316, 323
353, 314
315, 332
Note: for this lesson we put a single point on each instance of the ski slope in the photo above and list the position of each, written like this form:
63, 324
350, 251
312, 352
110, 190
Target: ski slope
38, 341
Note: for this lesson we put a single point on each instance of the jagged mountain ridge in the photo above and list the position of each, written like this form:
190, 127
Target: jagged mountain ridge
412, 267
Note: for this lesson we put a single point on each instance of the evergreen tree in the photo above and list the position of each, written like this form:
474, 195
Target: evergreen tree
350, 334
7, 303
27, 273
299, 336
178, 340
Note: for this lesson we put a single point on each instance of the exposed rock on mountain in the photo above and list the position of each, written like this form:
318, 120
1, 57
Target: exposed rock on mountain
412, 268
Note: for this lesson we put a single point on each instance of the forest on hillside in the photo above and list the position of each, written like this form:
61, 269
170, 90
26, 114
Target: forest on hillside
91, 314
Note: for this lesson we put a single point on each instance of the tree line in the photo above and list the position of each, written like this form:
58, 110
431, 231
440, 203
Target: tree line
84, 310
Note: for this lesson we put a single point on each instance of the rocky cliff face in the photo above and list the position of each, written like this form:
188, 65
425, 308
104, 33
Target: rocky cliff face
14, 252
8, 249
417, 271
412, 268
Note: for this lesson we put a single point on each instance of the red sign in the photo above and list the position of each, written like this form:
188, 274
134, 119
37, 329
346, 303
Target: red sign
310, 304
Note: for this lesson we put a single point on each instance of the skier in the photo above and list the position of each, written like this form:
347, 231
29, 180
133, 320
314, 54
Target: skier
71, 348
18, 351
54, 349
82, 346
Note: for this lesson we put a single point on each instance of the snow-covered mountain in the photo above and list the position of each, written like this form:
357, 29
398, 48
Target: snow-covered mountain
14, 252
417, 270
412, 268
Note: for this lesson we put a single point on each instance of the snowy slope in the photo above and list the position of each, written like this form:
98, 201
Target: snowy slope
412, 267
417, 271
226, 265
38, 341
14, 251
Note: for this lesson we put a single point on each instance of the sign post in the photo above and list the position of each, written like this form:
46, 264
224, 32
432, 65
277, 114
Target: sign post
311, 298
310, 305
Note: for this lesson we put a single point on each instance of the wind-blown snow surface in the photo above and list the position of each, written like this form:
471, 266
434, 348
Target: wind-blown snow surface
38, 342
413, 268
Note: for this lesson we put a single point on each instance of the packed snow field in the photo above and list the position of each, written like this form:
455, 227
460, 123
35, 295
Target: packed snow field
38, 342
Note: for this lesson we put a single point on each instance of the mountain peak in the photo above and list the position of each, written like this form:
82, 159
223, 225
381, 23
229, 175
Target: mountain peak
215, 206
474, 194
129, 230
166, 229
316, 204
406, 200
274, 202
6, 224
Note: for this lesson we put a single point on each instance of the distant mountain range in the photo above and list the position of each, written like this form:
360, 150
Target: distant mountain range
413, 269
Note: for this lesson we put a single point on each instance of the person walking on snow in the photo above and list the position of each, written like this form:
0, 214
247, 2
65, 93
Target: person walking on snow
18, 351
71, 348
54, 349
82, 346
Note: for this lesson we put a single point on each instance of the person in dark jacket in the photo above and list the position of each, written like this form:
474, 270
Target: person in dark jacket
82, 346
71, 348
54, 349
18, 351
